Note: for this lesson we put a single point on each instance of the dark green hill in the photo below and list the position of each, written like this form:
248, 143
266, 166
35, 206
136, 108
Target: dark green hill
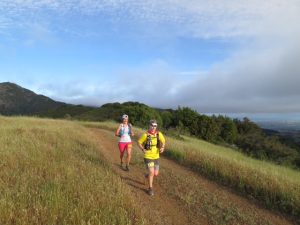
66, 111
15, 100
139, 113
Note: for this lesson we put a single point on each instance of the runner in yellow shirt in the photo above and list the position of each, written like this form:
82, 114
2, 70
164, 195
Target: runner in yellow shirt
152, 144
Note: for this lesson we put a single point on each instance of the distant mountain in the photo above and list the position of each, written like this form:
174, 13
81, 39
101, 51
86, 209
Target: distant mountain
281, 126
16, 100
270, 131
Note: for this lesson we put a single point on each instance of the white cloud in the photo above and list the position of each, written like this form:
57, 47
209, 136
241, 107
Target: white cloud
263, 76
155, 84
204, 19
252, 81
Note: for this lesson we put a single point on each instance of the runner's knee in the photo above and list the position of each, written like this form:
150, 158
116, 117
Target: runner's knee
151, 172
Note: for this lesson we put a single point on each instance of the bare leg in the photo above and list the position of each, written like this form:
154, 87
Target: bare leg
128, 155
150, 177
156, 171
121, 157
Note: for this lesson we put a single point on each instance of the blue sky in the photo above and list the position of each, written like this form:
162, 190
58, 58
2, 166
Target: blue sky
217, 56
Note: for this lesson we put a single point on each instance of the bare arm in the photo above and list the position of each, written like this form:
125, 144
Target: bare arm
141, 147
162, 145
117, 133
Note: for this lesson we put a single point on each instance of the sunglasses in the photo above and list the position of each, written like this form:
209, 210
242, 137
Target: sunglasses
153, 125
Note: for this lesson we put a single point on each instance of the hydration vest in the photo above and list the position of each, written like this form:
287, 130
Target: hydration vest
122, 130
148, 144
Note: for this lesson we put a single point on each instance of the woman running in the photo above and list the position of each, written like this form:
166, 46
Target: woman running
152, 143
124, 131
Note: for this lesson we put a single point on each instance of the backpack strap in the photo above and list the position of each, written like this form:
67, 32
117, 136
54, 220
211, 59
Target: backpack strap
129, 129
121, 129
148, 143
158, 140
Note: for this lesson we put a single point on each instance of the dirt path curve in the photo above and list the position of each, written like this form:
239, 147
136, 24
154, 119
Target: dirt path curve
167, 208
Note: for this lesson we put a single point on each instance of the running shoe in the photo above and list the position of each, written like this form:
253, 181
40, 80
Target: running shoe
150, 192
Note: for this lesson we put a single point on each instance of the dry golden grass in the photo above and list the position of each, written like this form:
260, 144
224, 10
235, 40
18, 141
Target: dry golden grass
52, 173
276, 186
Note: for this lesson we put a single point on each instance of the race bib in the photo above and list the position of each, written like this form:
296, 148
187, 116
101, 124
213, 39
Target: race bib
151, 164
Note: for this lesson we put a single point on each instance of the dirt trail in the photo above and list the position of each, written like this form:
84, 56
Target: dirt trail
166, 208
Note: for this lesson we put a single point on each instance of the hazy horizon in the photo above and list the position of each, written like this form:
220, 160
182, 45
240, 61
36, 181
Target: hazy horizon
288, 117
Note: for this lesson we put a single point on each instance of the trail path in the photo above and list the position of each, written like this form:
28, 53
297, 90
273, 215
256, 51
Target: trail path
182, 196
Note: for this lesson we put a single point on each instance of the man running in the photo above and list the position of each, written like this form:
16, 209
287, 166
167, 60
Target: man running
152, 143
124, 131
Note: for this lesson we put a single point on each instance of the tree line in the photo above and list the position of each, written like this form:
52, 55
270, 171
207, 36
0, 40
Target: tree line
242, 135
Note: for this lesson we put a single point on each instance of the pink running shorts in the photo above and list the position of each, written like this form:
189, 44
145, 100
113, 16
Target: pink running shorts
124, 145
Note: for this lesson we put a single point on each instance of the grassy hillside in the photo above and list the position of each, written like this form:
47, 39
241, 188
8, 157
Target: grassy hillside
52, 173
15, 100
275, 186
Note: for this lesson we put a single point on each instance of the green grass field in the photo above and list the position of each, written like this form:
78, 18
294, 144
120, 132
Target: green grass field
52, 173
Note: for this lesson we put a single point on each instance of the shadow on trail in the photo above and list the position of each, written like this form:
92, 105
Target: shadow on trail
135, 183
129, 180
145, 190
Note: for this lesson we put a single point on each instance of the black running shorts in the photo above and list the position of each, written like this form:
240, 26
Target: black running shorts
152, 163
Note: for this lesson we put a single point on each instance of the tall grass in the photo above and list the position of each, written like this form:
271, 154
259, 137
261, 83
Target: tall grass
51, 172
275, 186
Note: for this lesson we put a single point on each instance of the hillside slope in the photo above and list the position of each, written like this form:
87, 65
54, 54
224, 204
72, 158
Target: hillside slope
52, 172
183, 197
60, 172
15, 100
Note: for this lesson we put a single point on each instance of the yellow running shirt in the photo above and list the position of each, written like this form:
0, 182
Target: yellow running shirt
152, 153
